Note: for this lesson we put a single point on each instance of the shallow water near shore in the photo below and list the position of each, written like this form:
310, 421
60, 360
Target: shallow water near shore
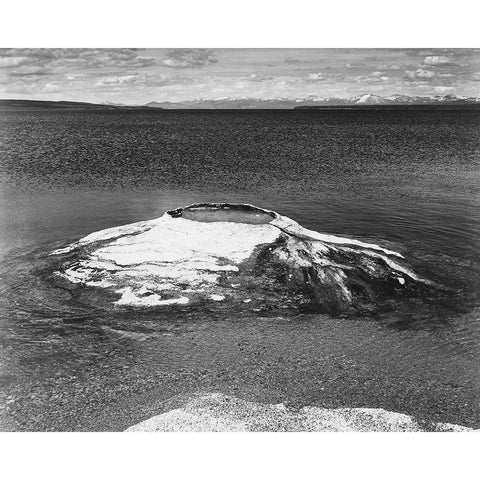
407, 181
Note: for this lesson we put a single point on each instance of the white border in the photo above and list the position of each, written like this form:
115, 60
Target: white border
240, 23
239, 456
246, 23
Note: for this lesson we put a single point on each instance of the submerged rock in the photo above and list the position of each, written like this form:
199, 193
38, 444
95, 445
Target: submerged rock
221, 413
233, 253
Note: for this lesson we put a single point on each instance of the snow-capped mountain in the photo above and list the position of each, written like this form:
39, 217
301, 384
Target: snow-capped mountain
312, 101
370, 99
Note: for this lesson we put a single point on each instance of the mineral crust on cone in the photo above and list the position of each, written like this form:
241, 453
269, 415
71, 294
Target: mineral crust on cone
232, 253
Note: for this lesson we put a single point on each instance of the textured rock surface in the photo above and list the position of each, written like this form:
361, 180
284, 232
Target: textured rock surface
233, 253
221, 413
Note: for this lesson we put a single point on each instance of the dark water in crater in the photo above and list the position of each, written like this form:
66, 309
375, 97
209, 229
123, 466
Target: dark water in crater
406, 180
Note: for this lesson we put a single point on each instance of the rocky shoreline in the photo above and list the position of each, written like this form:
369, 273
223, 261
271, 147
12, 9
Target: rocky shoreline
222, 413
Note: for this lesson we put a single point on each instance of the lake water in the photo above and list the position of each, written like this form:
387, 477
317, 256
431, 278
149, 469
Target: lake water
407, 180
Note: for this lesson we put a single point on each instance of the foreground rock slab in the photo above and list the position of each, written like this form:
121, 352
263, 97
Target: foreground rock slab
221, 413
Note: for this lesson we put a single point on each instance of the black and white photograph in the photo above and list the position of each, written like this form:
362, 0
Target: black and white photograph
226, 239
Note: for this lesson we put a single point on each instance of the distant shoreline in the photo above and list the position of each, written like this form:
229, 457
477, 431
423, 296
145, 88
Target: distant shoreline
13, 104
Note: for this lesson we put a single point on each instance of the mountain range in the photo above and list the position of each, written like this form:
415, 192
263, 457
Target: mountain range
310, 102
367, 100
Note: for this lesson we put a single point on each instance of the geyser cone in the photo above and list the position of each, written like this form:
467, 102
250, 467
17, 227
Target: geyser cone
233, 253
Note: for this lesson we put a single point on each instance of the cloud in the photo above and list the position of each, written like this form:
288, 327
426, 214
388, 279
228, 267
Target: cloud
315, 77
254, 77
444, 90
46, 70
143, 79
28, 70
449, 52
444, 57
189, 58
374, 77
121, 80
420, 73
52, 87
78, 57
31, 53
119, 57
388, 67
438, 60
12, 61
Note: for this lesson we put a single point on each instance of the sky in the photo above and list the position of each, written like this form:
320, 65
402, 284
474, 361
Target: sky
139, 76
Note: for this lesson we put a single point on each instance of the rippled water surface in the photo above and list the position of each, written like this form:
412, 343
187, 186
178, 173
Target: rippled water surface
405, 180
